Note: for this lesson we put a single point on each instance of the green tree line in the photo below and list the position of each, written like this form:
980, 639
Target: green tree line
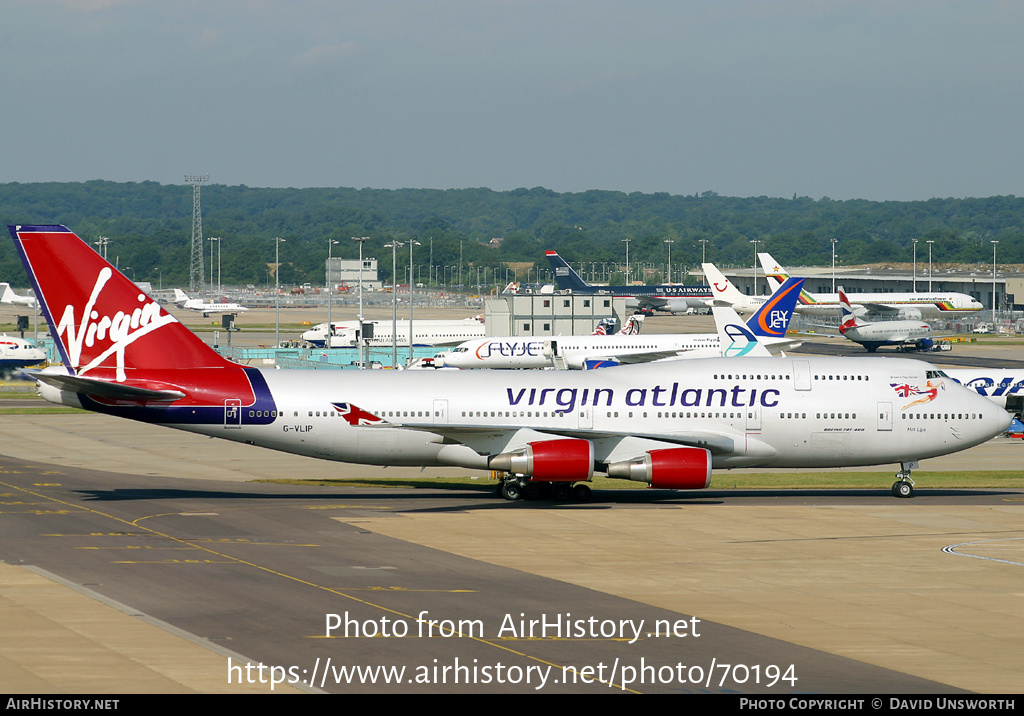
150, 226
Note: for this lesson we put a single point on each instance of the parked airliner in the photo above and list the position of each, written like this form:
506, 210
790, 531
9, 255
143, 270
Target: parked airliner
197, 304
18, 353
426, 332
579, 352
903, 305
663, 424
671, 297
725, 292
883, 333
8, 296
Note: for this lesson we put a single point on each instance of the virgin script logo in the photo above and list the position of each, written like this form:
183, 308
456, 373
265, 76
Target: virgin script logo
121, 330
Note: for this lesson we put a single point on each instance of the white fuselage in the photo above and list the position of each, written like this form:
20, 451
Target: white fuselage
889, 332
18, 353
764, 412
1003, 386
925, 305
569, 351
426, 332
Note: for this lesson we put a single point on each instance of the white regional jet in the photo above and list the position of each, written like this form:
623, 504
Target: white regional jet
664, 424
884, 333
579, 352
903, 305
197, 304
7, 295
426, 332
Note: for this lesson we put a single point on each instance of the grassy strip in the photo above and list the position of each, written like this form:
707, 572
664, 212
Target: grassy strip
56, 410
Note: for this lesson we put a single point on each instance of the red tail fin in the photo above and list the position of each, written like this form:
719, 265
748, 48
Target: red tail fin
101, 321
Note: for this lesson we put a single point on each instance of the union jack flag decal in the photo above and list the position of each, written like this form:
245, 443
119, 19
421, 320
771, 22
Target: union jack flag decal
924, 395
354, 415
903, 390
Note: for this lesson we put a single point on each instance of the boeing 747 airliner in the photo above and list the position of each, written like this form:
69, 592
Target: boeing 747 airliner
663, 424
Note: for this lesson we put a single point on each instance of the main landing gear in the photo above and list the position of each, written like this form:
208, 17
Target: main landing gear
904, 485
514, 487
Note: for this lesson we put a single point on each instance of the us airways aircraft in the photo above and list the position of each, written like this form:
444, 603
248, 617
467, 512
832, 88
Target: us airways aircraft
18, 353
578, 352
904, 305
426, 332
671, 297
884, 333
7, 295
197, 304
666, 425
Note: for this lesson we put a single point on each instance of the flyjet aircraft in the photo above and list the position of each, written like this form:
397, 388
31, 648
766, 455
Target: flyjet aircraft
197, 304
884, 333
578, 352
664, 424
671, 297
903, 305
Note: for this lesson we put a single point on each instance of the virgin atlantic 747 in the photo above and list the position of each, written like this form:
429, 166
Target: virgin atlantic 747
663, 424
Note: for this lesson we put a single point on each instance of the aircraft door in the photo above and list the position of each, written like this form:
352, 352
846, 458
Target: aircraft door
440, 412
885, 416
801, 375
754, 418
586, 417
232, 413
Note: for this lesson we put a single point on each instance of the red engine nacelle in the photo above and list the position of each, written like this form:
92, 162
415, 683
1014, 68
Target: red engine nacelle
565, 460
684, 468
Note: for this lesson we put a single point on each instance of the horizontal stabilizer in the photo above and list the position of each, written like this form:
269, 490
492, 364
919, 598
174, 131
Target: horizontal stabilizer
103, 389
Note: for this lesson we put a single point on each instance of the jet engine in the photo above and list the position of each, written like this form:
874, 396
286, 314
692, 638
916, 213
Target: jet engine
678, 305
564, 460
683, 468
910, 314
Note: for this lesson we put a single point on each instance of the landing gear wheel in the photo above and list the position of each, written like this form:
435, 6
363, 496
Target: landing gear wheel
532, 491
902, 488
581, 493
561, 492
512, 490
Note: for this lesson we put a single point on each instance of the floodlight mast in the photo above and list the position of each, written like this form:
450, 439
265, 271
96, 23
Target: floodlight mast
195, 271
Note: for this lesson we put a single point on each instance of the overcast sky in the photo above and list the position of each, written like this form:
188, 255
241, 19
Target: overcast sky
857, 99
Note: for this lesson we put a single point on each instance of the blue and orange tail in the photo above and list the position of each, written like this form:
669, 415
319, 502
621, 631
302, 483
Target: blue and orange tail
772, 319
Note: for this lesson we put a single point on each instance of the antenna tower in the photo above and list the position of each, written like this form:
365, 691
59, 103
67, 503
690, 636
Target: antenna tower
195, 272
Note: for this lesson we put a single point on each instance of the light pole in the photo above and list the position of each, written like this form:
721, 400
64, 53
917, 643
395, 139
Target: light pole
394, 246
102, 242
361, 240
914, 241
930, 265
412, 242
211, 264
755, 242
330, 293
834, 240
994, 284
277, 291
626, 241
703, 250
217, 239
669, 242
